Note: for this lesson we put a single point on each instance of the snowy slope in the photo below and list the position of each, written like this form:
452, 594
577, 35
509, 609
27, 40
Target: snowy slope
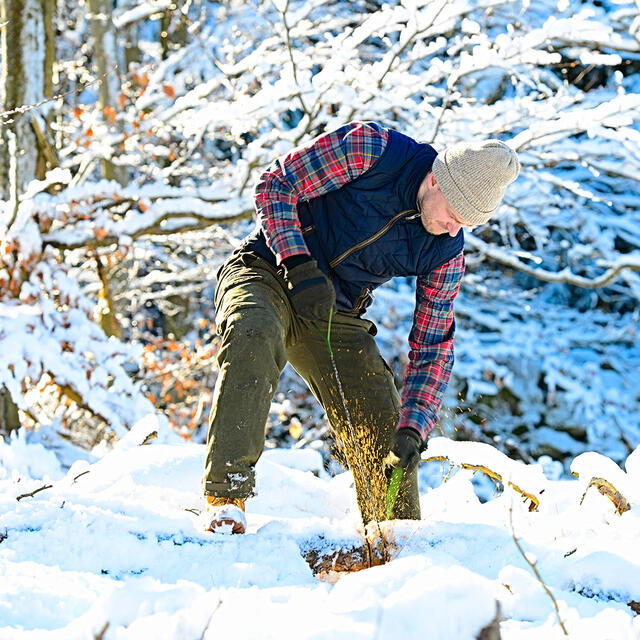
117, 545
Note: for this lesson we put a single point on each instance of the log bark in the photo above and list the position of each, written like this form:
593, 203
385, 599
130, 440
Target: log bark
329, 558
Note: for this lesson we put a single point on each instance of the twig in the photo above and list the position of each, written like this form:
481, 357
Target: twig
496, 477
33, 493
409, 40
293, 64
149, 438
84, 473
535, 571
609, 491
213, 613
26, 108
100, 634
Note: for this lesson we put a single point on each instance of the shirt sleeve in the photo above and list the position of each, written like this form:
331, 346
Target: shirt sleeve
325, 164
431, 344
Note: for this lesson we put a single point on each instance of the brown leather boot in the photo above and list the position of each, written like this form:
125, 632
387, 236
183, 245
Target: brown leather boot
224, 515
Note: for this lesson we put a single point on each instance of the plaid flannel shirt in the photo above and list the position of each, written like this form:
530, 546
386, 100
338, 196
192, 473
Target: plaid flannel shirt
326, 164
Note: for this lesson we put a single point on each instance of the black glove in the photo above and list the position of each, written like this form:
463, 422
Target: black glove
312, 294
405, 451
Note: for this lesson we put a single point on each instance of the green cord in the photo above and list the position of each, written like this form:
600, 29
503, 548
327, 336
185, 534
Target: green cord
392, 491
326, 338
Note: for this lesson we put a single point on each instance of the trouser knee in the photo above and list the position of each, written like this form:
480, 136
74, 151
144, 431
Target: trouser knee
253, 334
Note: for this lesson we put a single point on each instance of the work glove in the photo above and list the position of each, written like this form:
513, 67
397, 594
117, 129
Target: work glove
405, 451
312, 294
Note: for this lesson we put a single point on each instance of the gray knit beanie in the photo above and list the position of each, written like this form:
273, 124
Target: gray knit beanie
473, 177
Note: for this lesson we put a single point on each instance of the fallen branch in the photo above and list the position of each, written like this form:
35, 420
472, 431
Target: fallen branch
535, 503
84, 473
33, 493
608, 490
149, 438
100, 634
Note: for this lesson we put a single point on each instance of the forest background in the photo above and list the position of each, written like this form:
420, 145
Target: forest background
132, 133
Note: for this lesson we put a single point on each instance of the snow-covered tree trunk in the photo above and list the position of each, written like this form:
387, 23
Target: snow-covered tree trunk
105, 62
129, 36
173, 28
22, 79
9, 419
47, 158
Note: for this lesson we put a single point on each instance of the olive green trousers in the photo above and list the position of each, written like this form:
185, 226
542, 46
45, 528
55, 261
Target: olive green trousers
260, 333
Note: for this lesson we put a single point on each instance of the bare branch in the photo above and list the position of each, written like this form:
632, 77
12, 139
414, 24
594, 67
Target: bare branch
33, 493
138, 13
155, 228
287, 32
26, 108
564, 276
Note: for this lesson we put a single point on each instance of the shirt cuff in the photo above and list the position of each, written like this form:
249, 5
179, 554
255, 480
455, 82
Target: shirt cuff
422, 421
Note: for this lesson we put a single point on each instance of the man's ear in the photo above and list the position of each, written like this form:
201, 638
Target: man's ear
431, 181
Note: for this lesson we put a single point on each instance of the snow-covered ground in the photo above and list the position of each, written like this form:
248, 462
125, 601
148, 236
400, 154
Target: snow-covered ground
111, 548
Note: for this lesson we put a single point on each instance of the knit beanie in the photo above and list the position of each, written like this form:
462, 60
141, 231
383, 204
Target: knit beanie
473, 177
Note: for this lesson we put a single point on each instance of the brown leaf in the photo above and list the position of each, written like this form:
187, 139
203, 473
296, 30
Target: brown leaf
110, 114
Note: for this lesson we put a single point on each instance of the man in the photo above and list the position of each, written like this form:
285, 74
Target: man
338, 217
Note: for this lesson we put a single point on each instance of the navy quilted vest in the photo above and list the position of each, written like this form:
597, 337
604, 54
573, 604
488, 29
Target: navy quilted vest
369, 231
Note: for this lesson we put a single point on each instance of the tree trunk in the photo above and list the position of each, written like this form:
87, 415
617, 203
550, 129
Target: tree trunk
22, 81
128, 37
47, 158
9, 419
105, 62
173, 28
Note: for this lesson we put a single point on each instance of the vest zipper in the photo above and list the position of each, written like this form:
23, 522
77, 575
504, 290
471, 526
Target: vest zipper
363, 243
362, 298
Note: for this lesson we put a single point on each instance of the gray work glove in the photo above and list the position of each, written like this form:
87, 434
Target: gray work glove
312, 294
405, 451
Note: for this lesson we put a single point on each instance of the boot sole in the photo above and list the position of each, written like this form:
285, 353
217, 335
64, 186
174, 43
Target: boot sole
223, 523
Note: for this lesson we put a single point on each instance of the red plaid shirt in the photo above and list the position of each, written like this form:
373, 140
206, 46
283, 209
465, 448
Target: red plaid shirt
326, 164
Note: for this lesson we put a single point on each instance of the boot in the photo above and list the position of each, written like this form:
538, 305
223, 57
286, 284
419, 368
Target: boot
224, 515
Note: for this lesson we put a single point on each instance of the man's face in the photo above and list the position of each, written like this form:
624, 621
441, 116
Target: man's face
436, 214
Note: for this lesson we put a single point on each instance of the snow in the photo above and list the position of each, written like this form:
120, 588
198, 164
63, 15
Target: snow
112, 541
110, 550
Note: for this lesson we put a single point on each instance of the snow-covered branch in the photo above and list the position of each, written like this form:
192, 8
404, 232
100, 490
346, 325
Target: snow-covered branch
566, 276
